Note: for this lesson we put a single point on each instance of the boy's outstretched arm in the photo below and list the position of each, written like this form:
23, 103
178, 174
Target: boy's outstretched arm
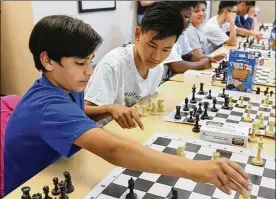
223, 173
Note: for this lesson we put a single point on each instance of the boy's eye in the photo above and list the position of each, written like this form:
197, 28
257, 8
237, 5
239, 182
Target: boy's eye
81, 64
152, 46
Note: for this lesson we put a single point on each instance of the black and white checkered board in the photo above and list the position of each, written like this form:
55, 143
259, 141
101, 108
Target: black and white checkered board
234, 114
155, 186
265, 76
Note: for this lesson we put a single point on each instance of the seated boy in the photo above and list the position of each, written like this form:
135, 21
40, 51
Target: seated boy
182, 57
246, 8
49, 121
215, 29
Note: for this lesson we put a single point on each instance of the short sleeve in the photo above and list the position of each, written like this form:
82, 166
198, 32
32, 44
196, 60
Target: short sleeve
193, 40
215, 34
62, 123
185, 45
103, 85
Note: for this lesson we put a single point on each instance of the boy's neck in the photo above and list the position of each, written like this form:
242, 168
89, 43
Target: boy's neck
142, 70
220, 19
55, 84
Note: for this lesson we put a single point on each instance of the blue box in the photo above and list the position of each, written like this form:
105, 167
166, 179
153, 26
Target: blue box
241, 71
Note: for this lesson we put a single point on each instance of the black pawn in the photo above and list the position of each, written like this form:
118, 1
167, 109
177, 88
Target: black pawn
271, 93
68, 181
131, 194
196, 128
186, 107
209, 96
226, 103
177, 115
201, 91
191, 117
199, 110
37, 196
258, 91
223, 93
217, 72
62, 187
247, 39
55, 190
195, 111
174, 194
214, 109
193, 100
26, 192
205, 114
239, 45
266, 91
224, 77
46, 192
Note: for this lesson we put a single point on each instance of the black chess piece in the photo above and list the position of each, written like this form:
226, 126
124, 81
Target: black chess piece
62, 186
271, 93
196, 128
186, 107
131, 194
199, 110
26, 192
209, 96
46, 192
214, 109
205, 114
56, 189
226, 103
191, 117
224, 77
174, 194
244, 46
68, 181
193, 100
177, 115
217, 72
223, 93
195, 111
258, 91
239, 45
269, 54
201, 91
247, 39
37, 196
266, 91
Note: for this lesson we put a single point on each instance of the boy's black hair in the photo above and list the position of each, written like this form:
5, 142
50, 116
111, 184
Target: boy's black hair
196, 3
249, 3
182, 5
62, 36
164, 18
223, 5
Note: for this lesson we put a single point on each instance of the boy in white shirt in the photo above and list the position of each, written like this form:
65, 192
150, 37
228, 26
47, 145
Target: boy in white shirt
216, 28
125, 75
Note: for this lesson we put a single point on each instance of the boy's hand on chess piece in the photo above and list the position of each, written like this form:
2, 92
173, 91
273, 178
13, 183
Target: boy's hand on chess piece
217, 58
126, 117
223, 173
257, 35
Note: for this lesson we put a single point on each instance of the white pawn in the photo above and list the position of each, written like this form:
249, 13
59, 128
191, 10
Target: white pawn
261, 120
258, 160
154, 109
137, 107
252, 138
241, 105
144, 113
180, 151
149, 104
216, 155
266, 102
248, 118
270, 131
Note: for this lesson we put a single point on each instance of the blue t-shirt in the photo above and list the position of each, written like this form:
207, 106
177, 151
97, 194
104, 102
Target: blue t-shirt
241, 22
42, 128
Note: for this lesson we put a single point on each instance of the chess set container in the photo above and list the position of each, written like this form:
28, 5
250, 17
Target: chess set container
224, 133
195, 76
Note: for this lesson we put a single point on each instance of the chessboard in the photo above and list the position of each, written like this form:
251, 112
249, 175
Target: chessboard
155, 186
227, 108
263, 76
251, 44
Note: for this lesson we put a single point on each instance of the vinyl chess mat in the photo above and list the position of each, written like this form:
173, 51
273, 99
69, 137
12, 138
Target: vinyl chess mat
235, 114
155, 186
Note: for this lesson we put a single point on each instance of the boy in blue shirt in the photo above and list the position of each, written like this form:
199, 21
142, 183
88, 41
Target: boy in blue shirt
49, 121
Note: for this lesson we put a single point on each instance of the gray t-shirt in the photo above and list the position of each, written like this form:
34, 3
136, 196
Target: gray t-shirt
197, 40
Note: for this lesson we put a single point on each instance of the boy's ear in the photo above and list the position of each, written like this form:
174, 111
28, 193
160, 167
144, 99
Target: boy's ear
138, 33
46, 61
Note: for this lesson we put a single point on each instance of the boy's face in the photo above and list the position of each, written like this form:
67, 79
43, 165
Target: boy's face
198, 15
186, 15
73, 73
230, 14
153, 52
242, 9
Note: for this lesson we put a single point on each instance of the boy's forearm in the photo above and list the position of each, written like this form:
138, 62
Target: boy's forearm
95, 112
233, 35
183, 66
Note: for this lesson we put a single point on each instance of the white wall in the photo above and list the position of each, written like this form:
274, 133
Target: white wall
116, 27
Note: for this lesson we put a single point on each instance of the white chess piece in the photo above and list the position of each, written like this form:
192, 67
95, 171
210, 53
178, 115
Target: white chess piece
266, 102
270, 131
252, 138
258, 160
248, 117
216, 155
230, 101
261, 120
149, 104
144, 109
154, 109
241, 105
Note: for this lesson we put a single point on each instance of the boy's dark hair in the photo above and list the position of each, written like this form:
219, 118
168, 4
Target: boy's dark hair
249, 3
62, 36
196, 3
164, 18
182, 5
223, 5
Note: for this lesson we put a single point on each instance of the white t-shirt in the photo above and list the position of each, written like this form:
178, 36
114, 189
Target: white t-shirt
197, 40
216, 33
117, 81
